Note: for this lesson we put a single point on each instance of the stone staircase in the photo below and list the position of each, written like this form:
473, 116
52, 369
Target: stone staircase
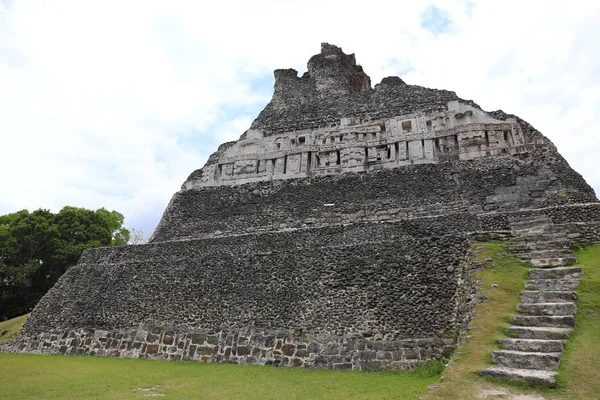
539, 242
548, 305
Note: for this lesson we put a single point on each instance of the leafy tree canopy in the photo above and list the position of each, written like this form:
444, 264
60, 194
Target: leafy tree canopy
37, 248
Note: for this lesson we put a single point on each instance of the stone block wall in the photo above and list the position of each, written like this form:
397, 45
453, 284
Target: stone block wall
482, 185
311, 107
580, 222
363, 279
240, 347
364, 296
587, 212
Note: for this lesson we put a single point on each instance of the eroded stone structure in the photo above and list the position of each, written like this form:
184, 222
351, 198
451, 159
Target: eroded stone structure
333, 233
462, 132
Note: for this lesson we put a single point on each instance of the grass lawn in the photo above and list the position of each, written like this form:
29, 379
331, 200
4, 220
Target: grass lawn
25, 376
30, 376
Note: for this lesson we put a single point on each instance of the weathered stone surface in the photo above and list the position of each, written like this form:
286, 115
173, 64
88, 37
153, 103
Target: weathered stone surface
556, 273
552, 261
243, 347
549, 311
536, 377
552, 284
547, 308
526, 360
532, 332
370, 268
561, 321
533, 345
548, 296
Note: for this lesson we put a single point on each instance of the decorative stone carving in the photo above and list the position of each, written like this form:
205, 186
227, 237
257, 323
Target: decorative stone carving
461, 132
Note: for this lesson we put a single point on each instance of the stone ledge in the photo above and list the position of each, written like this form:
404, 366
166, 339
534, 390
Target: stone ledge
237, 347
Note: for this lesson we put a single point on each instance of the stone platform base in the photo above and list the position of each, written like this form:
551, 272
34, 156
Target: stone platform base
239, 347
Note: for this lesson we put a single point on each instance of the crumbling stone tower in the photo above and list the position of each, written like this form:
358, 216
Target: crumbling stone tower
333, 233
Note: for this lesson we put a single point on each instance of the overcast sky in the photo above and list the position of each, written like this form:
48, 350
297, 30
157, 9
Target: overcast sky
114, 103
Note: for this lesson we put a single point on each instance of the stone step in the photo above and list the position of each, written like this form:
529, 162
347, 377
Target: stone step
556, 273
532, 376
532, 345
558, 229
558, 321
552, 284
530, 216
538, 332
531, 222
526, 360
548, 253
530, 243
547, 296
530, 230
529, 247
551, 262
547, 308
537, 236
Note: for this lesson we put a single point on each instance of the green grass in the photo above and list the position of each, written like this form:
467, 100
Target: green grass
579, 372
10, 328
29, 376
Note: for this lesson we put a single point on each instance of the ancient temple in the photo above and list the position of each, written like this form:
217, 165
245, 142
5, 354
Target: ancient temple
334, 233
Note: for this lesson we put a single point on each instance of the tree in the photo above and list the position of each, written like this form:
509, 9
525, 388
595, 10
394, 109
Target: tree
37, 248
137, 237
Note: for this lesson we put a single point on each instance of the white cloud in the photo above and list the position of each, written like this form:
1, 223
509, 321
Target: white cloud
114, 103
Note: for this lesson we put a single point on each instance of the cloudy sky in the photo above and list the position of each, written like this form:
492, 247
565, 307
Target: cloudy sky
114, 103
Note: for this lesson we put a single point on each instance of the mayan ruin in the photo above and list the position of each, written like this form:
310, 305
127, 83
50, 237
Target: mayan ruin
335, 234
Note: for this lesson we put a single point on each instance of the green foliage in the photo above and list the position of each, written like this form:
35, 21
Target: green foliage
37, 248
430, 369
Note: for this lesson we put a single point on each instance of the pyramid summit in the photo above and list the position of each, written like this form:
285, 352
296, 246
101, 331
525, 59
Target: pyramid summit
330, 120
334, 233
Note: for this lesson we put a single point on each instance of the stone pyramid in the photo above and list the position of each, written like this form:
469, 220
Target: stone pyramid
334, 233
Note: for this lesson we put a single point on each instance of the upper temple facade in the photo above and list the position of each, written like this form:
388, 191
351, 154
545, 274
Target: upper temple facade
331, 121
462, 132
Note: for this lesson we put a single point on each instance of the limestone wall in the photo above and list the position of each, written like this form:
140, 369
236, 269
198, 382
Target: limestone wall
482, 185
362, 279
330, 121
251, 346
335, 87
579, 223
365, 296
587, 212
